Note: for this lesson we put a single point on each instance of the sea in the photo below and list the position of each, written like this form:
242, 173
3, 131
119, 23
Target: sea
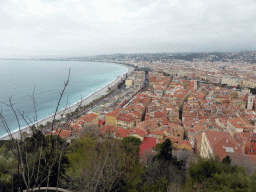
23, 80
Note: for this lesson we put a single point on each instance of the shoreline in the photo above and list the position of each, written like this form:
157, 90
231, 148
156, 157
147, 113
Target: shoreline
85, 101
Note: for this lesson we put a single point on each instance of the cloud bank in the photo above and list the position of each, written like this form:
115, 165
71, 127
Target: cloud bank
77, 27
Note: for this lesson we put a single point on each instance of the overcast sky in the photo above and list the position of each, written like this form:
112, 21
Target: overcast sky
89, 27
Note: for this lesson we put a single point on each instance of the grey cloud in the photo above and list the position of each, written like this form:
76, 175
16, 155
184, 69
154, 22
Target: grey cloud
136, 26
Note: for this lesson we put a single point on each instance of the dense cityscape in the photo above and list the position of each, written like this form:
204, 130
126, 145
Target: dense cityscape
175, 122
198, 100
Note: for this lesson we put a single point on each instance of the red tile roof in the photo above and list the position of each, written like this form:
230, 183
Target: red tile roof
124, 117
147, 144
122, 132
215, 137
226, 146
139, 132
253, 138
185, 142
113, 113
157, 132
223, 144
88, 117
63, 133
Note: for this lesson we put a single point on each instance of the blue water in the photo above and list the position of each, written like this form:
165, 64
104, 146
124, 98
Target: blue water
19, 77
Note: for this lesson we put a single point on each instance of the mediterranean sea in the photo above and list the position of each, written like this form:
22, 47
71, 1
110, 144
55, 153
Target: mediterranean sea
18, 78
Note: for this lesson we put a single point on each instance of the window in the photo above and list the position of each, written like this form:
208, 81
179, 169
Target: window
251, 151
252, 146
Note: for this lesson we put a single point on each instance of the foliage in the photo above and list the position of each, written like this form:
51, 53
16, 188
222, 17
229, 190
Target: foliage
160, 185
78, 157
227, 160
8, 167
134, 140
165, 151
108, 165
45, 158
163, 170
213, 175
203, 169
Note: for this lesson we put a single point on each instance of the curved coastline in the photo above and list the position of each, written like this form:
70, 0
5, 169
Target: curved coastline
85, 101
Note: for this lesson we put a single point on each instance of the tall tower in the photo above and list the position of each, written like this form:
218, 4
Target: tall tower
195, 85
250, 102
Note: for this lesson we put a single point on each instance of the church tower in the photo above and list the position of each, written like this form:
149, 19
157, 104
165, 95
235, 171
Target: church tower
195, 85
250, 102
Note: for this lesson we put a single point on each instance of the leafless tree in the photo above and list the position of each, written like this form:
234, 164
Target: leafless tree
35, 164
92, 130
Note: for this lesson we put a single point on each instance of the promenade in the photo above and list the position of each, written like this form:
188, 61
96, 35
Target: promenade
84, 102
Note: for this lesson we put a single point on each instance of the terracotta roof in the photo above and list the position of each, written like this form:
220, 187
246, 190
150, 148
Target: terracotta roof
124, 117
191, 131
139, 132
226, 147
185, 142
215, 137
223, 144
238, 138
136, 114
253, 138
148, 143
75, 126
157, 132
88, 117
162, 120
113, 113
148, 124
63, 133
122, 132
159, 88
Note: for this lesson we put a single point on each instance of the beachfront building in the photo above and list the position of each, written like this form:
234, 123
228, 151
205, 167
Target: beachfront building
129, 83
